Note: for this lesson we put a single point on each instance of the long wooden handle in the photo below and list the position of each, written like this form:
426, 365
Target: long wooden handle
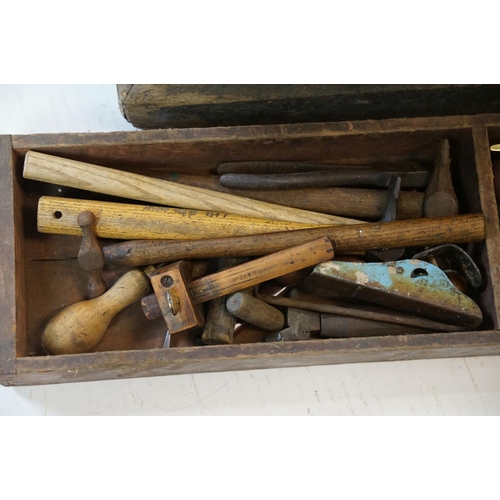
79, 327
89, 177
131, 222
346, 202
346, 240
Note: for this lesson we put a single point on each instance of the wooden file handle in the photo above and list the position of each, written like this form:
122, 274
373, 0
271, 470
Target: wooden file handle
259, 270
79, 175
79, 327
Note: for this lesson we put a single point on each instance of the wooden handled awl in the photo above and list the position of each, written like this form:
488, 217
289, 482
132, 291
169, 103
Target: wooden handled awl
79, 327
180, 298
89, 177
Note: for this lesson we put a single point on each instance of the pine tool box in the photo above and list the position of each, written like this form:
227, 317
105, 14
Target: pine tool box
249, 245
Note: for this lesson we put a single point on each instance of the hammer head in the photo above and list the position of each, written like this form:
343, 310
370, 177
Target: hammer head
171, 287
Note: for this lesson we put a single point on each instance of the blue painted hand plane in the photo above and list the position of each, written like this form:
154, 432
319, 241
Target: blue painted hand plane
412, 286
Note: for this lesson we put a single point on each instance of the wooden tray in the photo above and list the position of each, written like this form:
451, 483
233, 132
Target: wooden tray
39, 273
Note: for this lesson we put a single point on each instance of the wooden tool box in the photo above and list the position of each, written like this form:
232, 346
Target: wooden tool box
40, 274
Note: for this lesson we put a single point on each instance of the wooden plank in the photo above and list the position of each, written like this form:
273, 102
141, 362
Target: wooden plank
12, 305
219, 358
22, 143
155, 152
490, 212
202, 105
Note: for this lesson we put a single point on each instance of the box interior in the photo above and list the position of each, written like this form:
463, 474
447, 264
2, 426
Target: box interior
52, 279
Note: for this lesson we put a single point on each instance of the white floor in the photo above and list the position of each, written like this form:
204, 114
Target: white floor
462, 386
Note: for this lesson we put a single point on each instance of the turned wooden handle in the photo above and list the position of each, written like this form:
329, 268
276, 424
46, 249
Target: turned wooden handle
131, 222
89, 177
79, 327
346, 240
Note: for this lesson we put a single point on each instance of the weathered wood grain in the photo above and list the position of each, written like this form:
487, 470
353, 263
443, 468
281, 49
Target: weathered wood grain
127, 221
487, 198
164, 106
98, 179
12, 292
201, 150
160, 362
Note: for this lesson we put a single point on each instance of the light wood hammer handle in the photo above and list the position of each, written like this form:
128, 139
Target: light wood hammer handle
89, 177
131, 222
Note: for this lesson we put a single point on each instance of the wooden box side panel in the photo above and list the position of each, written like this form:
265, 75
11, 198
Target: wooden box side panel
161, 362
490, 259
12, 286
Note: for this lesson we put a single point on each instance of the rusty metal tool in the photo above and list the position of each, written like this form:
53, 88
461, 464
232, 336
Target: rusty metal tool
344, 307
453, 258
347, 239
440, 199
342, 201
413, 286
390, 213
270, 167
301, 324
335, 326
90, 256
414, 177
180, 297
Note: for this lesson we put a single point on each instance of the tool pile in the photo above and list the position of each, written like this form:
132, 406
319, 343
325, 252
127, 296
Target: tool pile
300, 250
